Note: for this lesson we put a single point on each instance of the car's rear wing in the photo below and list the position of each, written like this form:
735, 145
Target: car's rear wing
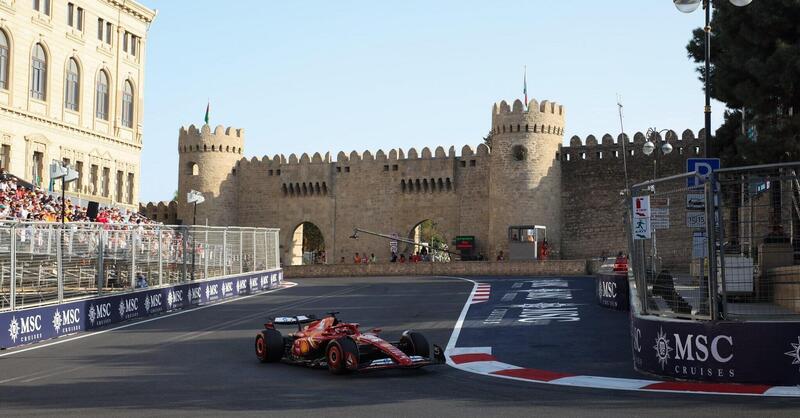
290, 320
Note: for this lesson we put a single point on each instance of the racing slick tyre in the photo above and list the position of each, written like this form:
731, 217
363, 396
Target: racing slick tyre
342, 355
414, 344
269, 346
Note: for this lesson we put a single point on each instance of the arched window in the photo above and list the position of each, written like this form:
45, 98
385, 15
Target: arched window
102, 96
72, 85
4, 47
192, 169
39, 73
519, 152
127, 105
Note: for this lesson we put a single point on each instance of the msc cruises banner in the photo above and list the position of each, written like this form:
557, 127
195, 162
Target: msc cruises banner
730, 352
36, 324
613, 291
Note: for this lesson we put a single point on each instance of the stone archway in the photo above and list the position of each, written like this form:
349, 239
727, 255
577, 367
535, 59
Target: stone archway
307, 245
425, 232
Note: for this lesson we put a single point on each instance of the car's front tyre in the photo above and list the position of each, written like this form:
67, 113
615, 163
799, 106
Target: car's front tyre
342, 355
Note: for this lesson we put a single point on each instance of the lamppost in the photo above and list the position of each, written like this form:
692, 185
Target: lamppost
194, 197
688, 6
652, 147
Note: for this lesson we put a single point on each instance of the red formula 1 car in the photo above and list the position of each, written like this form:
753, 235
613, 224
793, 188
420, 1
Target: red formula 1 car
341, 346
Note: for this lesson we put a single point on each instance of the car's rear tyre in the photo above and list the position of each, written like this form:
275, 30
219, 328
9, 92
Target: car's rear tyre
342, 355
413, 343
269, 346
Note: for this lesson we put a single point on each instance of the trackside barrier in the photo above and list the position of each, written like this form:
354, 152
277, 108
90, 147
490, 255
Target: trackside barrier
32, 325
714, 299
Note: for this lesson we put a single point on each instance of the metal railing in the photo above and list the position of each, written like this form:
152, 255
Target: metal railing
724, 247
41, 263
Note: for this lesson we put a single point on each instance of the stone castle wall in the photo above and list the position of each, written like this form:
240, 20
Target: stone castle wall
527, 178
592, 178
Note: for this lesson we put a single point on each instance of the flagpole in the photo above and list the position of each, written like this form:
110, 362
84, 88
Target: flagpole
525, 85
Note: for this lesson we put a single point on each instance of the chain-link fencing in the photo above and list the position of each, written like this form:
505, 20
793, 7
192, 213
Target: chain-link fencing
42, 263
725, 246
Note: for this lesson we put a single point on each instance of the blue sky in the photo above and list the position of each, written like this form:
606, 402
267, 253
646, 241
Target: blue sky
317, 76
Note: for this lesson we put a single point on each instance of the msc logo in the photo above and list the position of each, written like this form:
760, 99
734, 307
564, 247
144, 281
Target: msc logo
264, 282
152, 302
67, 320
25, 328
194, 294
174, 298
696, 347
227, 288
608, 290
129, 306
212, 291
241, 285
254, 283
100, 313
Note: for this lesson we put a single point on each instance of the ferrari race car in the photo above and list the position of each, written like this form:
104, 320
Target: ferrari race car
341, 346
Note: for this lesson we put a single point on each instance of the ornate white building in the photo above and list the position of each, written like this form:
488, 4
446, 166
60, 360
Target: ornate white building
71, 83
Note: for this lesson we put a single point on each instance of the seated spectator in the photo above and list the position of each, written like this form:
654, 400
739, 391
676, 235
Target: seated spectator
141, 281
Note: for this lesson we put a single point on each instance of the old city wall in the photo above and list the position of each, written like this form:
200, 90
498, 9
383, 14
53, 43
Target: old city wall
386, 193
593, 176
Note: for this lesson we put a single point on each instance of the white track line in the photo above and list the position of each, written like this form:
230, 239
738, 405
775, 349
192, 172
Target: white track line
285, 285
487, 368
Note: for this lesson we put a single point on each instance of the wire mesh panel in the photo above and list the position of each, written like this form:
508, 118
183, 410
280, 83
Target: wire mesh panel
42, 263
670, 247
760, 238
273, 259
5, 267
79, 260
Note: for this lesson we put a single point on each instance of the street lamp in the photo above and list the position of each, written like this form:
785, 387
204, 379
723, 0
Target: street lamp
653, 137
688, 6
194, 197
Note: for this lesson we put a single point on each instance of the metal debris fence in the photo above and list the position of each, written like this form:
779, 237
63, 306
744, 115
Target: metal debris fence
746, 218
41, 263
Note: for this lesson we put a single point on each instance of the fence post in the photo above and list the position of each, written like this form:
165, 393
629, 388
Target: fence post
253, 264
160, 258
225, 251
712, 253
13, 301
205, 254
277, 253
132, 234
60, 265
100, 261
266, 250
185, 242
241, 251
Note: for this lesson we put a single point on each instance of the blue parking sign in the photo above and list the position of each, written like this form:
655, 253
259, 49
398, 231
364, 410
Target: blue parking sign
703, 166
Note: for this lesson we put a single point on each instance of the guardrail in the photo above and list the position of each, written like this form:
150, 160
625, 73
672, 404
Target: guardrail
32, 325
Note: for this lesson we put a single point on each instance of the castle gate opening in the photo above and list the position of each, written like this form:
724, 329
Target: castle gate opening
426, 233
308, 245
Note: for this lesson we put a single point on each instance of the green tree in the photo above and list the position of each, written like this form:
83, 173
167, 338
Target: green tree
755, 65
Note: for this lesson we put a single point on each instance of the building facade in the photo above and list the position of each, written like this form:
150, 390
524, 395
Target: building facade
71, 89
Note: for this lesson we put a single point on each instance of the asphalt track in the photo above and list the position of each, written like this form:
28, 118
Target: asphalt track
202, 363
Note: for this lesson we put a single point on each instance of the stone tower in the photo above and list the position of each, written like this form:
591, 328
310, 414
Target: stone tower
207, 163
525, 171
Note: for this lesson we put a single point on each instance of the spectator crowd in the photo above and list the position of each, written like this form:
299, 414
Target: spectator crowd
19, 202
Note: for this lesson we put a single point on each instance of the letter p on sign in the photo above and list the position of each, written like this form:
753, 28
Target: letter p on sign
703, 166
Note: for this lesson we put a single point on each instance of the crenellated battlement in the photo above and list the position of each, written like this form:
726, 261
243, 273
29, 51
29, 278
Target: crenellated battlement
354, 157
540, 118
221, 139
607, 147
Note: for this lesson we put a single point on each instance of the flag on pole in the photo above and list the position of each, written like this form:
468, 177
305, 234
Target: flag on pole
208, 106
525, 85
